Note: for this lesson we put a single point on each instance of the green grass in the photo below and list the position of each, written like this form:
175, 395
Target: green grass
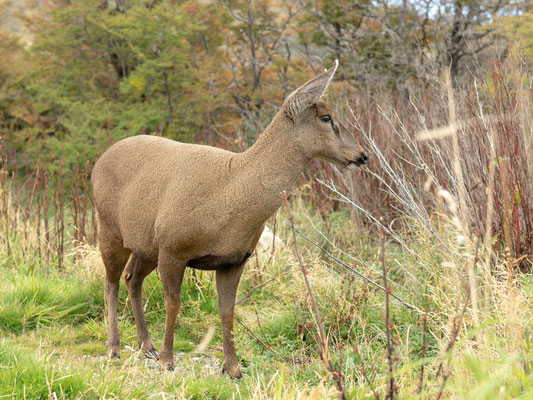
215, 388
24, 377
31, 300
54, 328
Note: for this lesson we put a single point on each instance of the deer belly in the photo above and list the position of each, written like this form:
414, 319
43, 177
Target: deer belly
213, 262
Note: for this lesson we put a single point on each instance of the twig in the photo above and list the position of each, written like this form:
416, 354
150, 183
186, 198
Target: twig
390, 390
259, 322
247, 295
274, 236
365, 376
60, 215
455, 334
336, 374
253, 335
257, 272
420, 385
6, 197
353, 259
458, 171
45, 217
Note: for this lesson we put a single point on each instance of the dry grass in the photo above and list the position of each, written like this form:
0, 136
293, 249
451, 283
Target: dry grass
450, 173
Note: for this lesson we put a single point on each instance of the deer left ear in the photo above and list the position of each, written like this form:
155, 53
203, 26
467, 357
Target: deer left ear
309, 93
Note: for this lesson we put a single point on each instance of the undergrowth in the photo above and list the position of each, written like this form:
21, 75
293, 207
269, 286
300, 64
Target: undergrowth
419, 280
53, 324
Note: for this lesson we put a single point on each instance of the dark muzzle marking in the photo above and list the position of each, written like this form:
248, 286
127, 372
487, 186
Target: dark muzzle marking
210, 263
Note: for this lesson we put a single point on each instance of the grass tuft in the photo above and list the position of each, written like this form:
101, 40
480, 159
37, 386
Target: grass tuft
24, 377
33, 300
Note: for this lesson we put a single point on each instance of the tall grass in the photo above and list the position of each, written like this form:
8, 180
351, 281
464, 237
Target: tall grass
450, 183
40, 300
443, 139
47, 211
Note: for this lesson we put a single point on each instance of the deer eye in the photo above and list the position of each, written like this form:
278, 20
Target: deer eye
325, 118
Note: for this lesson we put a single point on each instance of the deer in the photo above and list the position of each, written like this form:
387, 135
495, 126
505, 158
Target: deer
172, 206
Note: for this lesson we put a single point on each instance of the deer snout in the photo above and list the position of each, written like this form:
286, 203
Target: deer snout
356, 159
363, 158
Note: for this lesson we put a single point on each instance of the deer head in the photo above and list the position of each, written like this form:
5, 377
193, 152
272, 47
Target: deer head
317, 127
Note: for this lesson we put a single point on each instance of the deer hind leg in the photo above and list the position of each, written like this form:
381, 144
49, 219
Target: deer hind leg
227, 283
136, 270
115, 257
171, 271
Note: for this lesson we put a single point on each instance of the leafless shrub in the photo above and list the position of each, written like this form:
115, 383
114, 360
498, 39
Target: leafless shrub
45, 210
474, 143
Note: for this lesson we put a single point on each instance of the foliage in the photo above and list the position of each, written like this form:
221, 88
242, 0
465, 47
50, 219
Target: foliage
194, 71
99, 74
216, 73
518, 30
362, 44
68, 341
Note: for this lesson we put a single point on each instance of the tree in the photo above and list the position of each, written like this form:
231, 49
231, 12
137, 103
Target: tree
518, 30
392, 42
462, 33
258, 44
101, 71
375, 41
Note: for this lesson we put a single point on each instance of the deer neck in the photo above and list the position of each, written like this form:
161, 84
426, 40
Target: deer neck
272, 165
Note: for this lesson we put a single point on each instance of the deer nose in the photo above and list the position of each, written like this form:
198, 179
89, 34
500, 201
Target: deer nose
363, 158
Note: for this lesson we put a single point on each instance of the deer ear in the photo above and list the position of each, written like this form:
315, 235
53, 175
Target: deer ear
309, 93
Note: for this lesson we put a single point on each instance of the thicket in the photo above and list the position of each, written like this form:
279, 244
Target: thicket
215, 72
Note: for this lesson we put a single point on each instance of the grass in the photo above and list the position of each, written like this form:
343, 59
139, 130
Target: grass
44, 300
60, 317
476, 342
54, 329
25, 377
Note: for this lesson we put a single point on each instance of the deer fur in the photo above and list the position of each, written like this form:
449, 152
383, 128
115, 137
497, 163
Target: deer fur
169, 205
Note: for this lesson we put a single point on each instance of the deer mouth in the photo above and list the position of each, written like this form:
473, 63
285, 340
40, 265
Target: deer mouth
352, 164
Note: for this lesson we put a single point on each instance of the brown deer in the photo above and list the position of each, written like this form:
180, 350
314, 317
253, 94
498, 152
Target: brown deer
169, 205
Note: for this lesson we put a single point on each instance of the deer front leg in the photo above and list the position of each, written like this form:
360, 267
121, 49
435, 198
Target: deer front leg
171, 272
227, 283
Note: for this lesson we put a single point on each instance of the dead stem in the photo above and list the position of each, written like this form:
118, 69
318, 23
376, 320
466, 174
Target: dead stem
6, 198
456, 152
390, 348
455, 333
249, 293
357, 273
337, 375
254, 336
420, 385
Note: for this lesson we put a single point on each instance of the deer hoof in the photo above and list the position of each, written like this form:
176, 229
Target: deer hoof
169, 367
166, 364
114, 355
152, 354
235, 375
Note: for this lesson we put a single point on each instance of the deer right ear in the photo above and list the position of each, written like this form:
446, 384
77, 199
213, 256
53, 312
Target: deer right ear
309, 93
